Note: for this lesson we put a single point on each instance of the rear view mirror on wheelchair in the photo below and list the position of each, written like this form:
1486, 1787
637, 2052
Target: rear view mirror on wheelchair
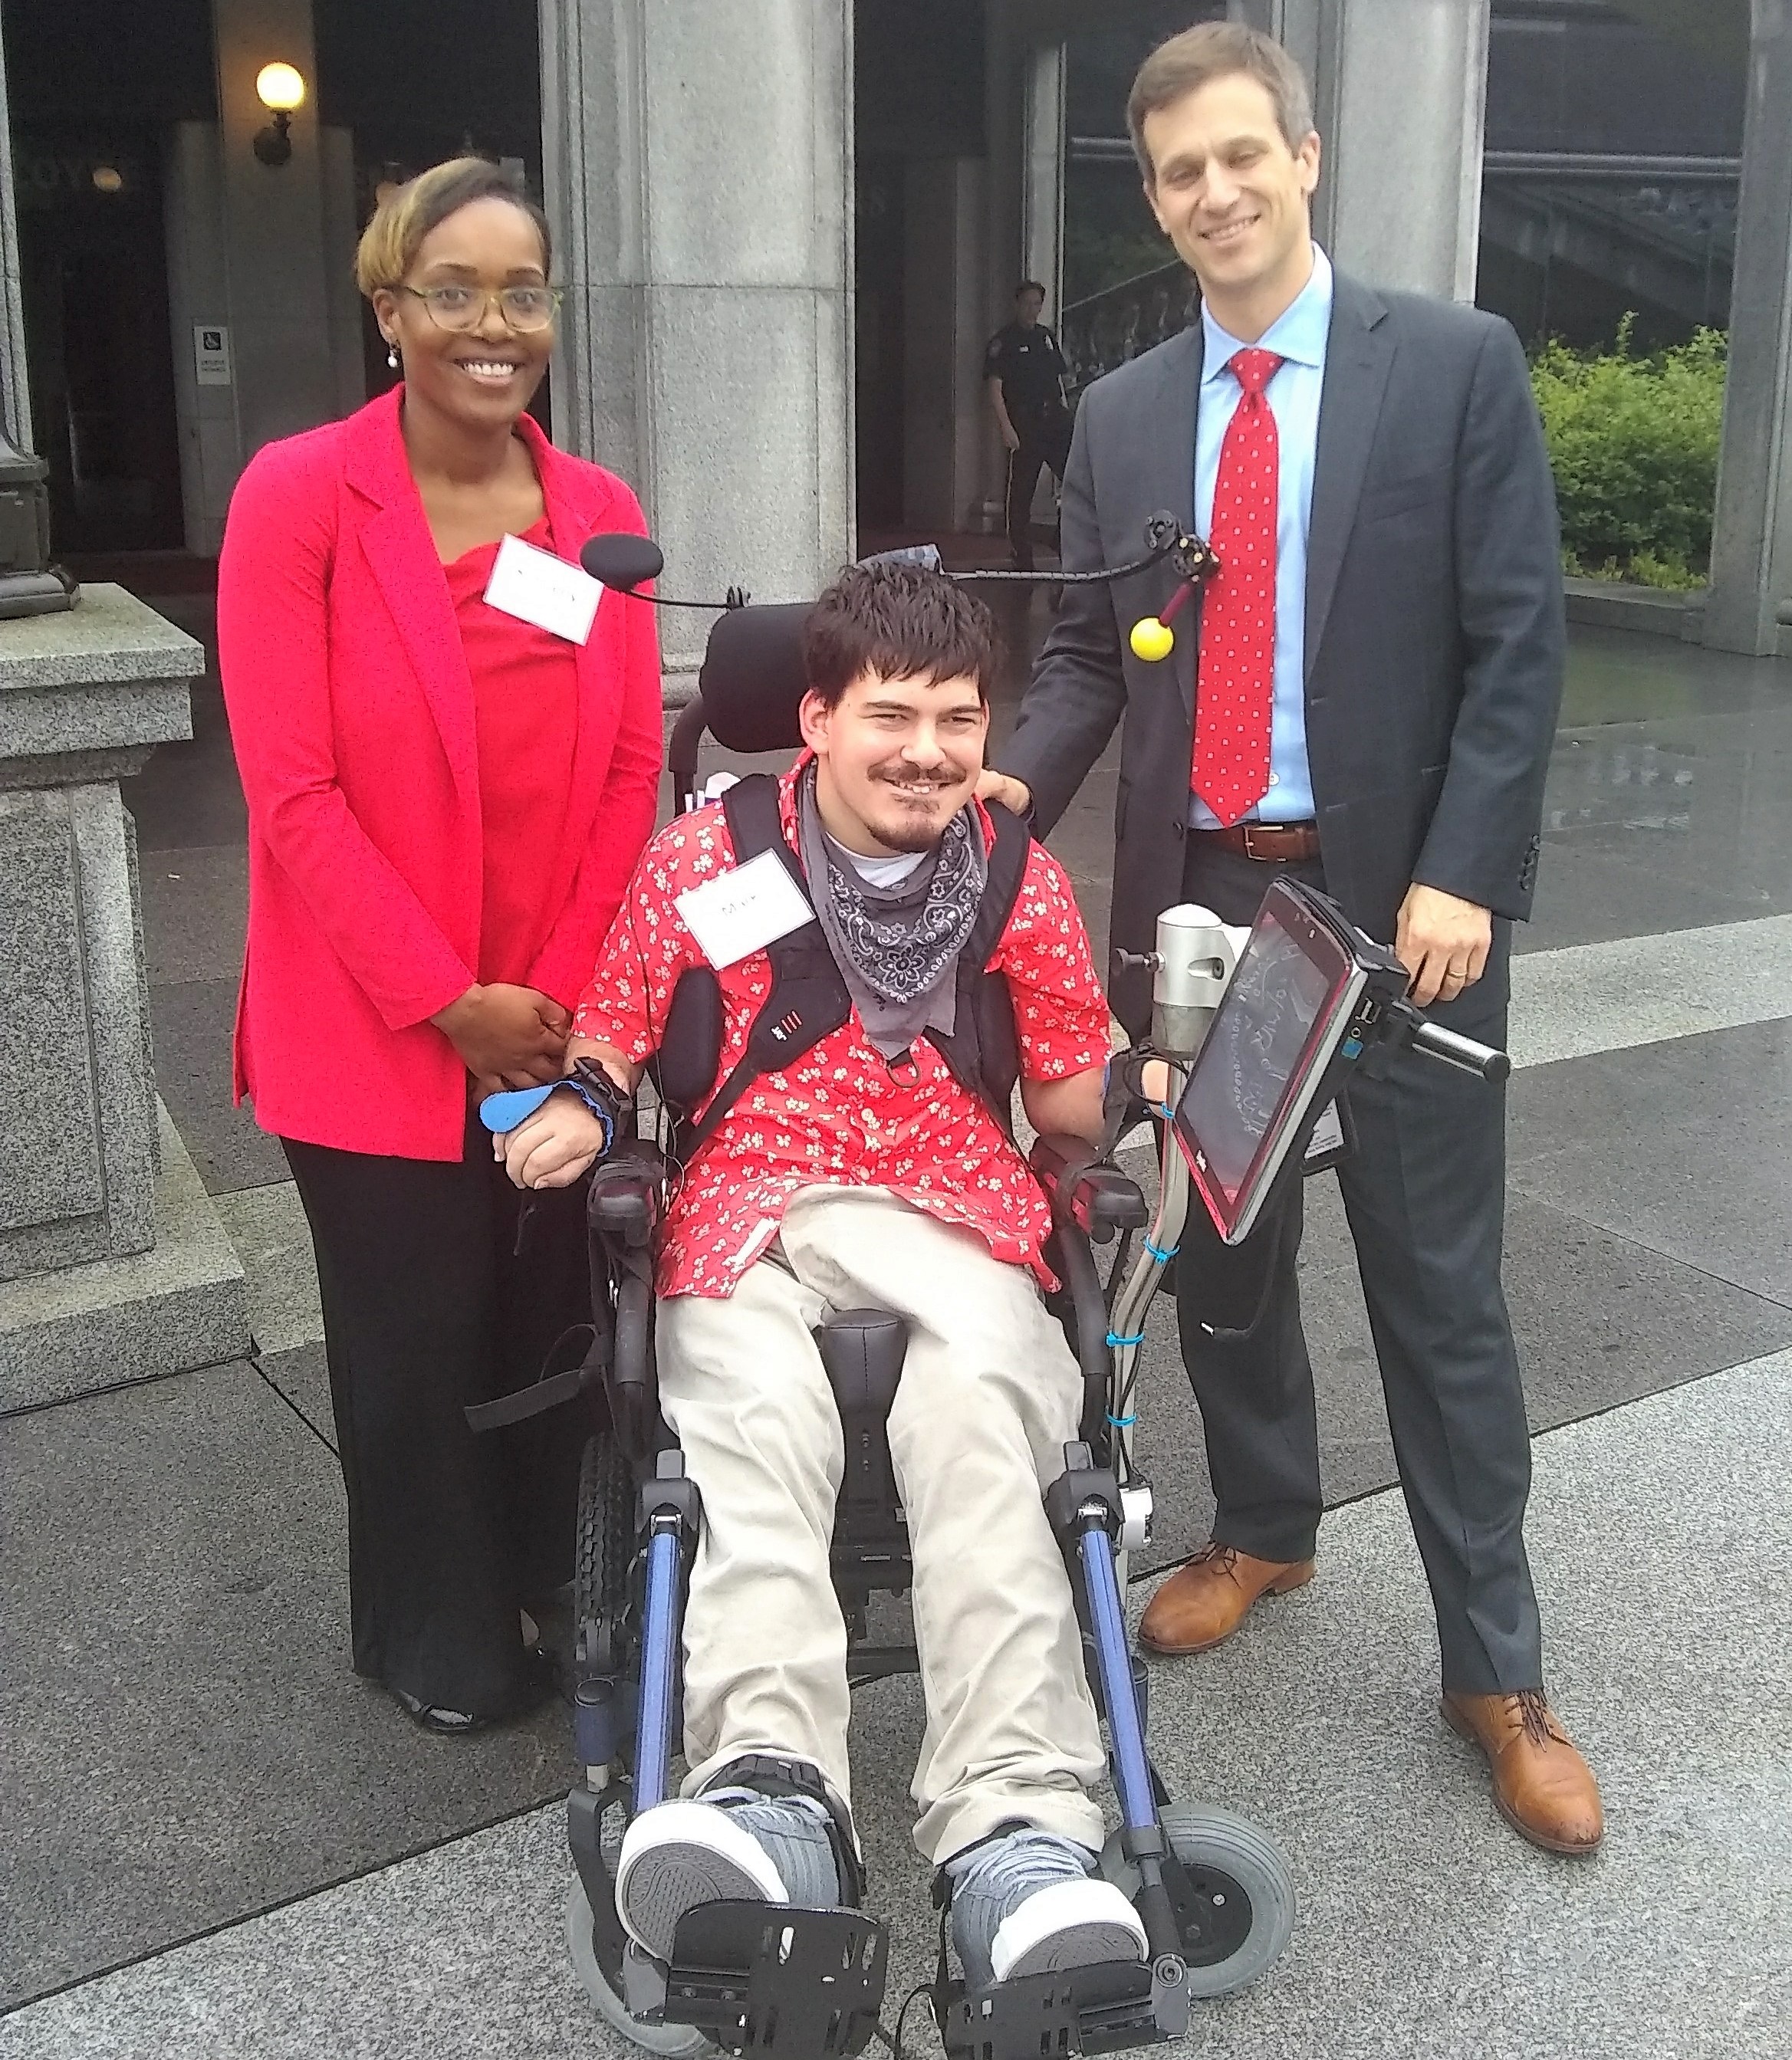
749, 1930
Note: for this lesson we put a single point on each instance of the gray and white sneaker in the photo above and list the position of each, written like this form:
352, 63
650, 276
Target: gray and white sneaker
734, 1845
1029, 1902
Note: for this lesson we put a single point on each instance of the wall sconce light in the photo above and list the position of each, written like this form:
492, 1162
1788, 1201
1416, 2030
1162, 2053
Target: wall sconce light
280, 88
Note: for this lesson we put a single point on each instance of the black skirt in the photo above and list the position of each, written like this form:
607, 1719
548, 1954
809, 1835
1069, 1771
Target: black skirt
431, 1301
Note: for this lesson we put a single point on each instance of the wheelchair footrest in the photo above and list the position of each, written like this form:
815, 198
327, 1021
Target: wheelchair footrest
1098, 2009
764, 1978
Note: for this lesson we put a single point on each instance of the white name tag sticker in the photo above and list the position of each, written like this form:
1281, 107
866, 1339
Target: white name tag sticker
744, 910
1328, 1133
536, 587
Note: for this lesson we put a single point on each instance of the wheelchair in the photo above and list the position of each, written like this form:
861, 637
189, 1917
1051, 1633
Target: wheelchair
1215, 1894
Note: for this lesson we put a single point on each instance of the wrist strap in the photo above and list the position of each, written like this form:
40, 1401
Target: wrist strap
601, 1095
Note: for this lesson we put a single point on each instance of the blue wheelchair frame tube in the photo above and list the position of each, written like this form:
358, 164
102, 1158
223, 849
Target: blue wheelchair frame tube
1132, 1771
1141, 1837
660, 1633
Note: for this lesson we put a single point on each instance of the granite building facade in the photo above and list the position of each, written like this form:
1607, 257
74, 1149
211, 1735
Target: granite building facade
786, 227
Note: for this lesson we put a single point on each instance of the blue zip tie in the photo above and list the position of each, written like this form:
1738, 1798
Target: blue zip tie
1122, 1423
1163, 1258
1114, 1338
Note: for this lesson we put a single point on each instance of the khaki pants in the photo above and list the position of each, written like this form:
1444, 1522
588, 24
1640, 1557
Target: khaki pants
990, 1394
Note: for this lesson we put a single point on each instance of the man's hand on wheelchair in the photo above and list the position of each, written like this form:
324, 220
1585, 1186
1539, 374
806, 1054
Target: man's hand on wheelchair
564, 1137
1443, 942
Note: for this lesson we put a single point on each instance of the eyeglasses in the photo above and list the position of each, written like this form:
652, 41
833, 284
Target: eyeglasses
525, 309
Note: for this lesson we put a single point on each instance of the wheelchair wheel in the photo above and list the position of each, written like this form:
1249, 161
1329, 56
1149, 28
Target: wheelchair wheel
668, 2041
1239, 1912
605, 1543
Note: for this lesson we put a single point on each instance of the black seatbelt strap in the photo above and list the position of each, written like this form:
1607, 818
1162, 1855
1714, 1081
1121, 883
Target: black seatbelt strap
551, 1390
964, 1051
808, 1000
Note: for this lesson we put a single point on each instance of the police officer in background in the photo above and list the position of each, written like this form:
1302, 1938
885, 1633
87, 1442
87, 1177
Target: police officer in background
1024, 371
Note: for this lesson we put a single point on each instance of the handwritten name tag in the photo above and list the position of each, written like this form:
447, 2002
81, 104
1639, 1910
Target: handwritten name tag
535, 586
744, 910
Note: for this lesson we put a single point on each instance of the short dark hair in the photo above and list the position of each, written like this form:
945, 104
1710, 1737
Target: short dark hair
1211, 50
902, 621
1029, 286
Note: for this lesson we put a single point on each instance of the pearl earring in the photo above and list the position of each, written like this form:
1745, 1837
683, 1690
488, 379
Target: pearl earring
392, 356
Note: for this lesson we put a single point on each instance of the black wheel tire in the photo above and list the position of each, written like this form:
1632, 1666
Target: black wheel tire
605, 1543
1225, 1855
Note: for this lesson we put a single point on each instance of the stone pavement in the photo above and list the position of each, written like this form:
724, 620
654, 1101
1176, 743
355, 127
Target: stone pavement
199, 1796
1426, 1930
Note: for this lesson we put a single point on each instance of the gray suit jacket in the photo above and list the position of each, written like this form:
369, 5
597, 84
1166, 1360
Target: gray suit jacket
1434, 623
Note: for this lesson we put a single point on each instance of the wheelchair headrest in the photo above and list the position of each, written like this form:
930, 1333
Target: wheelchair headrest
752, 679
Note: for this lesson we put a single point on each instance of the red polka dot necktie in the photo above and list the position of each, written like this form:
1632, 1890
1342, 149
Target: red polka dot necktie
1235, 679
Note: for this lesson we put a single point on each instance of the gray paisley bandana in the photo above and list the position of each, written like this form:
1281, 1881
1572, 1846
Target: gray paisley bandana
897, 947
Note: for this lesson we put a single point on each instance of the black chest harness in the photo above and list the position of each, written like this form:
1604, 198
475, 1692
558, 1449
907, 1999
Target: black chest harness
809, 1000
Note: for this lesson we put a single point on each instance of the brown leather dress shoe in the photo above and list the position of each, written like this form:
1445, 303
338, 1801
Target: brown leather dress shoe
1542, 1787
1202, 1604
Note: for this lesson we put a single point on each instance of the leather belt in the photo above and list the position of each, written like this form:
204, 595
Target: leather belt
1280, 844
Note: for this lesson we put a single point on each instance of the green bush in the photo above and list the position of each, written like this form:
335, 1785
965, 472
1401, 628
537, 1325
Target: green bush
1633, 444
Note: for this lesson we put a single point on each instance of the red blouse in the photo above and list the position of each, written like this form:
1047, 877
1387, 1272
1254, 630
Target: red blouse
525, 711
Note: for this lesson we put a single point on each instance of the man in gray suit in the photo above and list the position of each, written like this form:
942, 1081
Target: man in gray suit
1364, 697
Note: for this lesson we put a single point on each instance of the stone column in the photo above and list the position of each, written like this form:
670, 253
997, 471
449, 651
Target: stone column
945, 417
113, 1266
697, 163
1400, 91
1043, 193
273, 220
15, 392
1750, 604
199, 292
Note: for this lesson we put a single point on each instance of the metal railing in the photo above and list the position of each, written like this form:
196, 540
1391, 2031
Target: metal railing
1106, 329
1684, 204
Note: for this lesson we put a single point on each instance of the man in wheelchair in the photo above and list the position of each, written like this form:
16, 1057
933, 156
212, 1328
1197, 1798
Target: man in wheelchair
874, 1169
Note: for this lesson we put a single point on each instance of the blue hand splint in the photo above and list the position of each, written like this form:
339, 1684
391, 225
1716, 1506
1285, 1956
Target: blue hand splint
502, 1112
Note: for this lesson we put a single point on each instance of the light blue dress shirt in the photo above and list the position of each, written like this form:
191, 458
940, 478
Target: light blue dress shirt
1298, 336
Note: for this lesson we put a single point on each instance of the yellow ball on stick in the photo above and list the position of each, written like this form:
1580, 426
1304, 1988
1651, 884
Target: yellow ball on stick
1151, 640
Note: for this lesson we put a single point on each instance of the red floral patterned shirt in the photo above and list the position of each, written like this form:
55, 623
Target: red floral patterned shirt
838, 1114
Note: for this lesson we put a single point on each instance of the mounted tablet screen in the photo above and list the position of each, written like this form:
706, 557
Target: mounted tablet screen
1285, 1010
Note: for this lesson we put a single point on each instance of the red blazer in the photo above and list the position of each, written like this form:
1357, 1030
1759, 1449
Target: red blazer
351, 710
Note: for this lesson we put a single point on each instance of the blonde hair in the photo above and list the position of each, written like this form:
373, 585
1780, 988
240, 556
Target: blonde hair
390, 243
1211, 50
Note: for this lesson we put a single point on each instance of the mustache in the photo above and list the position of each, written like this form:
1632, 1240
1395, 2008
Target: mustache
897, 774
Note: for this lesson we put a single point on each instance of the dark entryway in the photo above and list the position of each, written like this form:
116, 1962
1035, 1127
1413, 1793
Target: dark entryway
95, 286
93, 86
419, 81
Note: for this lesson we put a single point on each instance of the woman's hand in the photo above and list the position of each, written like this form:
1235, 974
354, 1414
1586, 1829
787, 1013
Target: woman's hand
513, 1036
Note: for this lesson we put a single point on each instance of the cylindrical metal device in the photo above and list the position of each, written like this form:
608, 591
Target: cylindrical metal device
1194, 960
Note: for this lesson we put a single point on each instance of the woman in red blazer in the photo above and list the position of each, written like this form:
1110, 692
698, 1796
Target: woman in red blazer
445, 801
